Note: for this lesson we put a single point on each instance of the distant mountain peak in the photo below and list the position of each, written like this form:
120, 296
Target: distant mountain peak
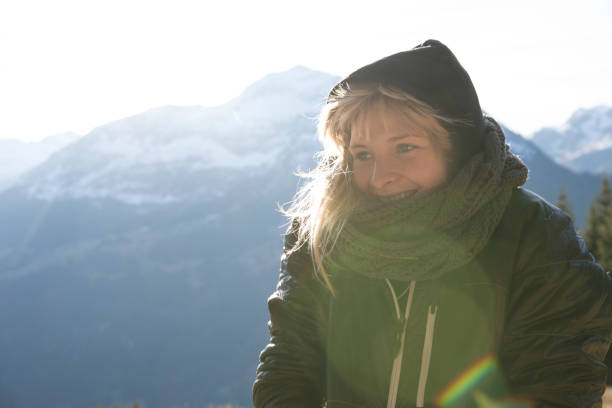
292, 81
280, 96
586, 132
594, 119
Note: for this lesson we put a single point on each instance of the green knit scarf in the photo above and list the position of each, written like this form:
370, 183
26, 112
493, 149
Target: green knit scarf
423, 237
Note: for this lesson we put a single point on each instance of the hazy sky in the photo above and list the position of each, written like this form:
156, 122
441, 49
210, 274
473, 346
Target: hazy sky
73, 65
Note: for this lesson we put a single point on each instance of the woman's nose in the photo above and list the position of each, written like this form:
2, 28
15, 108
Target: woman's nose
382, 176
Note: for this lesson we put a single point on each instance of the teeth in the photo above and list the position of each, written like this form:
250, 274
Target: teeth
399, 196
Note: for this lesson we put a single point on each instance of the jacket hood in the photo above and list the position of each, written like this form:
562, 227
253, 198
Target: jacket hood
430, 72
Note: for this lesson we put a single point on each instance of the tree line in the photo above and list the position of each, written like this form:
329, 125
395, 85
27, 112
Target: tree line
597, 233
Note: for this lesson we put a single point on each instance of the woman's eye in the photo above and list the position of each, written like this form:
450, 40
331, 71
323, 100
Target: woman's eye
405, 147
362, 156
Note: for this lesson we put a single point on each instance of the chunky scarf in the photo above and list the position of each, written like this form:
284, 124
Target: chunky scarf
425, 236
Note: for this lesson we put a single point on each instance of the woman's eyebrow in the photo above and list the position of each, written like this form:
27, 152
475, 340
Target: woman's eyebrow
391, 139
403, 136
357, 146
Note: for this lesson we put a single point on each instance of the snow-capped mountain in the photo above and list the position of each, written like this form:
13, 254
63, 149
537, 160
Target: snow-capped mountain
280, 96
583, 143
597, 162
175, 153
16, 157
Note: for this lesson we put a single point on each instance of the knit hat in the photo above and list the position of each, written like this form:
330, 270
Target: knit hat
431, 73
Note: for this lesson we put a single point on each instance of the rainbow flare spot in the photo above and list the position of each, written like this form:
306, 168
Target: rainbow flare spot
472, 375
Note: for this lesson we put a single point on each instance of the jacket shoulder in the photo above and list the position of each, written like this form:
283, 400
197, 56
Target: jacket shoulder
296, 263
546, 234
535, 208
558, 310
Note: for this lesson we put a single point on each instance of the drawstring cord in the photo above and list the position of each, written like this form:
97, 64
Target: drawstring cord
426, 355
427, 346
397, 361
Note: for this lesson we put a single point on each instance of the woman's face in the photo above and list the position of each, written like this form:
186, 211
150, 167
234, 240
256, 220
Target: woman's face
393, 162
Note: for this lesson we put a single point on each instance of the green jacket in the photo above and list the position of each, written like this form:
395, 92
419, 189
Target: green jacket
531, 316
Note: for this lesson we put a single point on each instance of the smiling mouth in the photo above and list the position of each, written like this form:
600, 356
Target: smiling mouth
399, 196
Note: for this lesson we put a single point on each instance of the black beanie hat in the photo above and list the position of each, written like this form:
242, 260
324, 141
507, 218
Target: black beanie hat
431, 73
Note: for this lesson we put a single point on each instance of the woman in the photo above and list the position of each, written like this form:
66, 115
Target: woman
414, 256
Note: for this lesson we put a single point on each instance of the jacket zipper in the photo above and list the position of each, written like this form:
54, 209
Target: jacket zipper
426, 353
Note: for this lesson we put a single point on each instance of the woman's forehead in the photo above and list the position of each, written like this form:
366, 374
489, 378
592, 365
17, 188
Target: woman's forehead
378, 120
372, 119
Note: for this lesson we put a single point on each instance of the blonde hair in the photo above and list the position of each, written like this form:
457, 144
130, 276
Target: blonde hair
322, 205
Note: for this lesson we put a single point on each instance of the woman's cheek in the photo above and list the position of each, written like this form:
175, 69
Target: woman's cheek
360, 178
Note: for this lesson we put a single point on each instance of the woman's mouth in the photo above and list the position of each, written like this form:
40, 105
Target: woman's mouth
398, 196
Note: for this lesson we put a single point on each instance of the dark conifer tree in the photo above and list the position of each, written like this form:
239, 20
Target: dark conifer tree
563, 203
598, 237
596, 219
604, 232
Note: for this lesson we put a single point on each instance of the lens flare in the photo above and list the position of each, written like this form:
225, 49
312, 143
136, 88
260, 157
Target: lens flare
481, 385
466, 381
